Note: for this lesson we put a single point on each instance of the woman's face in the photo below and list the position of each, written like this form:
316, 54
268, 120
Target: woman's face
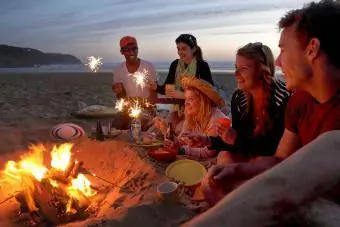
192, 103
247, 73
185, 52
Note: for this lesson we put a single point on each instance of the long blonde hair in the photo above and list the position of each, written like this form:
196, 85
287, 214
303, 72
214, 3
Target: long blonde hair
199, 122
264, 58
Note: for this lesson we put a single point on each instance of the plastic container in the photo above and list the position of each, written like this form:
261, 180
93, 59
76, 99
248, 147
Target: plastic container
136, 131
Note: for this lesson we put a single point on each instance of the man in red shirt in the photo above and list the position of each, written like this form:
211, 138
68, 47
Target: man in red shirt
311, 66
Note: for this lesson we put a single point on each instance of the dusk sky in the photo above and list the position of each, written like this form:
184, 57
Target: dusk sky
88, 27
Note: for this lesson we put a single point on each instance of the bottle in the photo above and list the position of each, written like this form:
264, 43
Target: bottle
99, 132
135, 130
170, 135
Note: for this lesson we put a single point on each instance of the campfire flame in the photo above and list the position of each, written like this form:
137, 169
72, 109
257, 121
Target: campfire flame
82, 184
31, 169
61, 156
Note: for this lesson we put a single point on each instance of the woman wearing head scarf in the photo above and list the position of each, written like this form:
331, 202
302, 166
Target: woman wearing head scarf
189, 64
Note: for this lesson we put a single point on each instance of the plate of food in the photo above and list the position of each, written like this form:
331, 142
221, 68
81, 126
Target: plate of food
156, 143
149, 140
162, 154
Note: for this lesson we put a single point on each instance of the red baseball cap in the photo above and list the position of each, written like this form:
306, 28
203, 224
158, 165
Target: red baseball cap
127, 40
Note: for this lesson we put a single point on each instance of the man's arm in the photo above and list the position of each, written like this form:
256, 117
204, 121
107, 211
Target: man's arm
266, 199
153, 78
289, 143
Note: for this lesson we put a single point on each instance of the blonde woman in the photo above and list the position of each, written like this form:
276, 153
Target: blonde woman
257, 107
258, 113
201, 112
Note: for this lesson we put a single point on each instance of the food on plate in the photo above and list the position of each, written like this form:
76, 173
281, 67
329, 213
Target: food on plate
148, 138
161, 151
226, 122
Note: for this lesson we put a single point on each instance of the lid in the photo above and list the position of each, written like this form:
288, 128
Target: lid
189, 172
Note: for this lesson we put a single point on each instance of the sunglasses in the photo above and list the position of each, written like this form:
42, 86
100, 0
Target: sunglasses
127, 49
258, 47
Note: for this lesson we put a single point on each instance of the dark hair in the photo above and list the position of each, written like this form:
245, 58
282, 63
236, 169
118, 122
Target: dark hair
263, 56
317, 20
191, 41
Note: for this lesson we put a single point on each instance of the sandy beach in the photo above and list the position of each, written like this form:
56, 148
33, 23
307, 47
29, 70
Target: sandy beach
31, 104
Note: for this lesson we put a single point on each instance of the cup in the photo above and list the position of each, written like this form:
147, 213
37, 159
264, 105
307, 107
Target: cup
170, 192
105, 130
170, 87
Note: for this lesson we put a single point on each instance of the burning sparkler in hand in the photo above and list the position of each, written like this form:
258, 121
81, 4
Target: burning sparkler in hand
94, 63
141, 78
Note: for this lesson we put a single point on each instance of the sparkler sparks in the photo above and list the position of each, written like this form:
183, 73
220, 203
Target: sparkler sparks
94, 63
120, 104
141, 78
133, 106
135, 110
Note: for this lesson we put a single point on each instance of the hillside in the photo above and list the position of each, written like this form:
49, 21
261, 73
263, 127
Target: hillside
12, 57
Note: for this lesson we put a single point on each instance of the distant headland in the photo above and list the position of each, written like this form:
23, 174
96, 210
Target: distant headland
15, 57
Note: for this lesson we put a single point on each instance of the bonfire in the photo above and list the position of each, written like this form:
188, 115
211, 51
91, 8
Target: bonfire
57, 192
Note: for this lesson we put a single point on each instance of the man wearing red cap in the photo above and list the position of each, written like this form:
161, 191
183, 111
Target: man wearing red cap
124, 75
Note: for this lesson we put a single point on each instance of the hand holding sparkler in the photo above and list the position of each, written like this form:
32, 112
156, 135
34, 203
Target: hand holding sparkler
94, 63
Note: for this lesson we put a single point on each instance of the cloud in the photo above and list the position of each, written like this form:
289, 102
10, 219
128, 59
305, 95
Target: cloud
48, 23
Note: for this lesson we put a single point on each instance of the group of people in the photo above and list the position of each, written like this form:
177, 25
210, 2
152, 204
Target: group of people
280, 151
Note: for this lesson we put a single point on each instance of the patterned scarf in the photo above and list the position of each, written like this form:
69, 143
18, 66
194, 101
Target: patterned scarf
181, 71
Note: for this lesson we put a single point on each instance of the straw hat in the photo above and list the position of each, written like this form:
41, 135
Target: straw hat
205, 87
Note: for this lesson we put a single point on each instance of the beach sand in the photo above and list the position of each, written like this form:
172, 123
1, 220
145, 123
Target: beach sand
31, 104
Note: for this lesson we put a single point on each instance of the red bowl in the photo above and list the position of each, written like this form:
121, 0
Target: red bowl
226, 122
162, 157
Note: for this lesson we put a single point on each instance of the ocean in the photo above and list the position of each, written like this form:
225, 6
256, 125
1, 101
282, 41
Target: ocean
108, 67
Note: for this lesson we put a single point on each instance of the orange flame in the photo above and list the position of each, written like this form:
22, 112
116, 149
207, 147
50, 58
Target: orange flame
31, 168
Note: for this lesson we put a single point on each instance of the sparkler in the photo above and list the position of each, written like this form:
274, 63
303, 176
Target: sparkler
135, 110
120, 104
94, 63
141, 78
134, 106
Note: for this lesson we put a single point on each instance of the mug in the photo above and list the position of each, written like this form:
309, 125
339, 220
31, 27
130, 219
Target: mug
170, 87
170, 192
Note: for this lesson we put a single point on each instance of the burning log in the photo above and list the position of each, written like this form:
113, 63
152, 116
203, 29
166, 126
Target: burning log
53, 204
55, 195
70, 167
58, 176
76, 168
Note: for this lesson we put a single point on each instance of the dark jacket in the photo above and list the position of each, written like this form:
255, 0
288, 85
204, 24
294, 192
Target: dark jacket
202, 72
243, 123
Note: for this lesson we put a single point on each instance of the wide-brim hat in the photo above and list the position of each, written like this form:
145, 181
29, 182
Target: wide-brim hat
205, 87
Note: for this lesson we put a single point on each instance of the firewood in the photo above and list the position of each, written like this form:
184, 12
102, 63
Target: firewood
69, 168
43, 198
76, 168
58, 175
